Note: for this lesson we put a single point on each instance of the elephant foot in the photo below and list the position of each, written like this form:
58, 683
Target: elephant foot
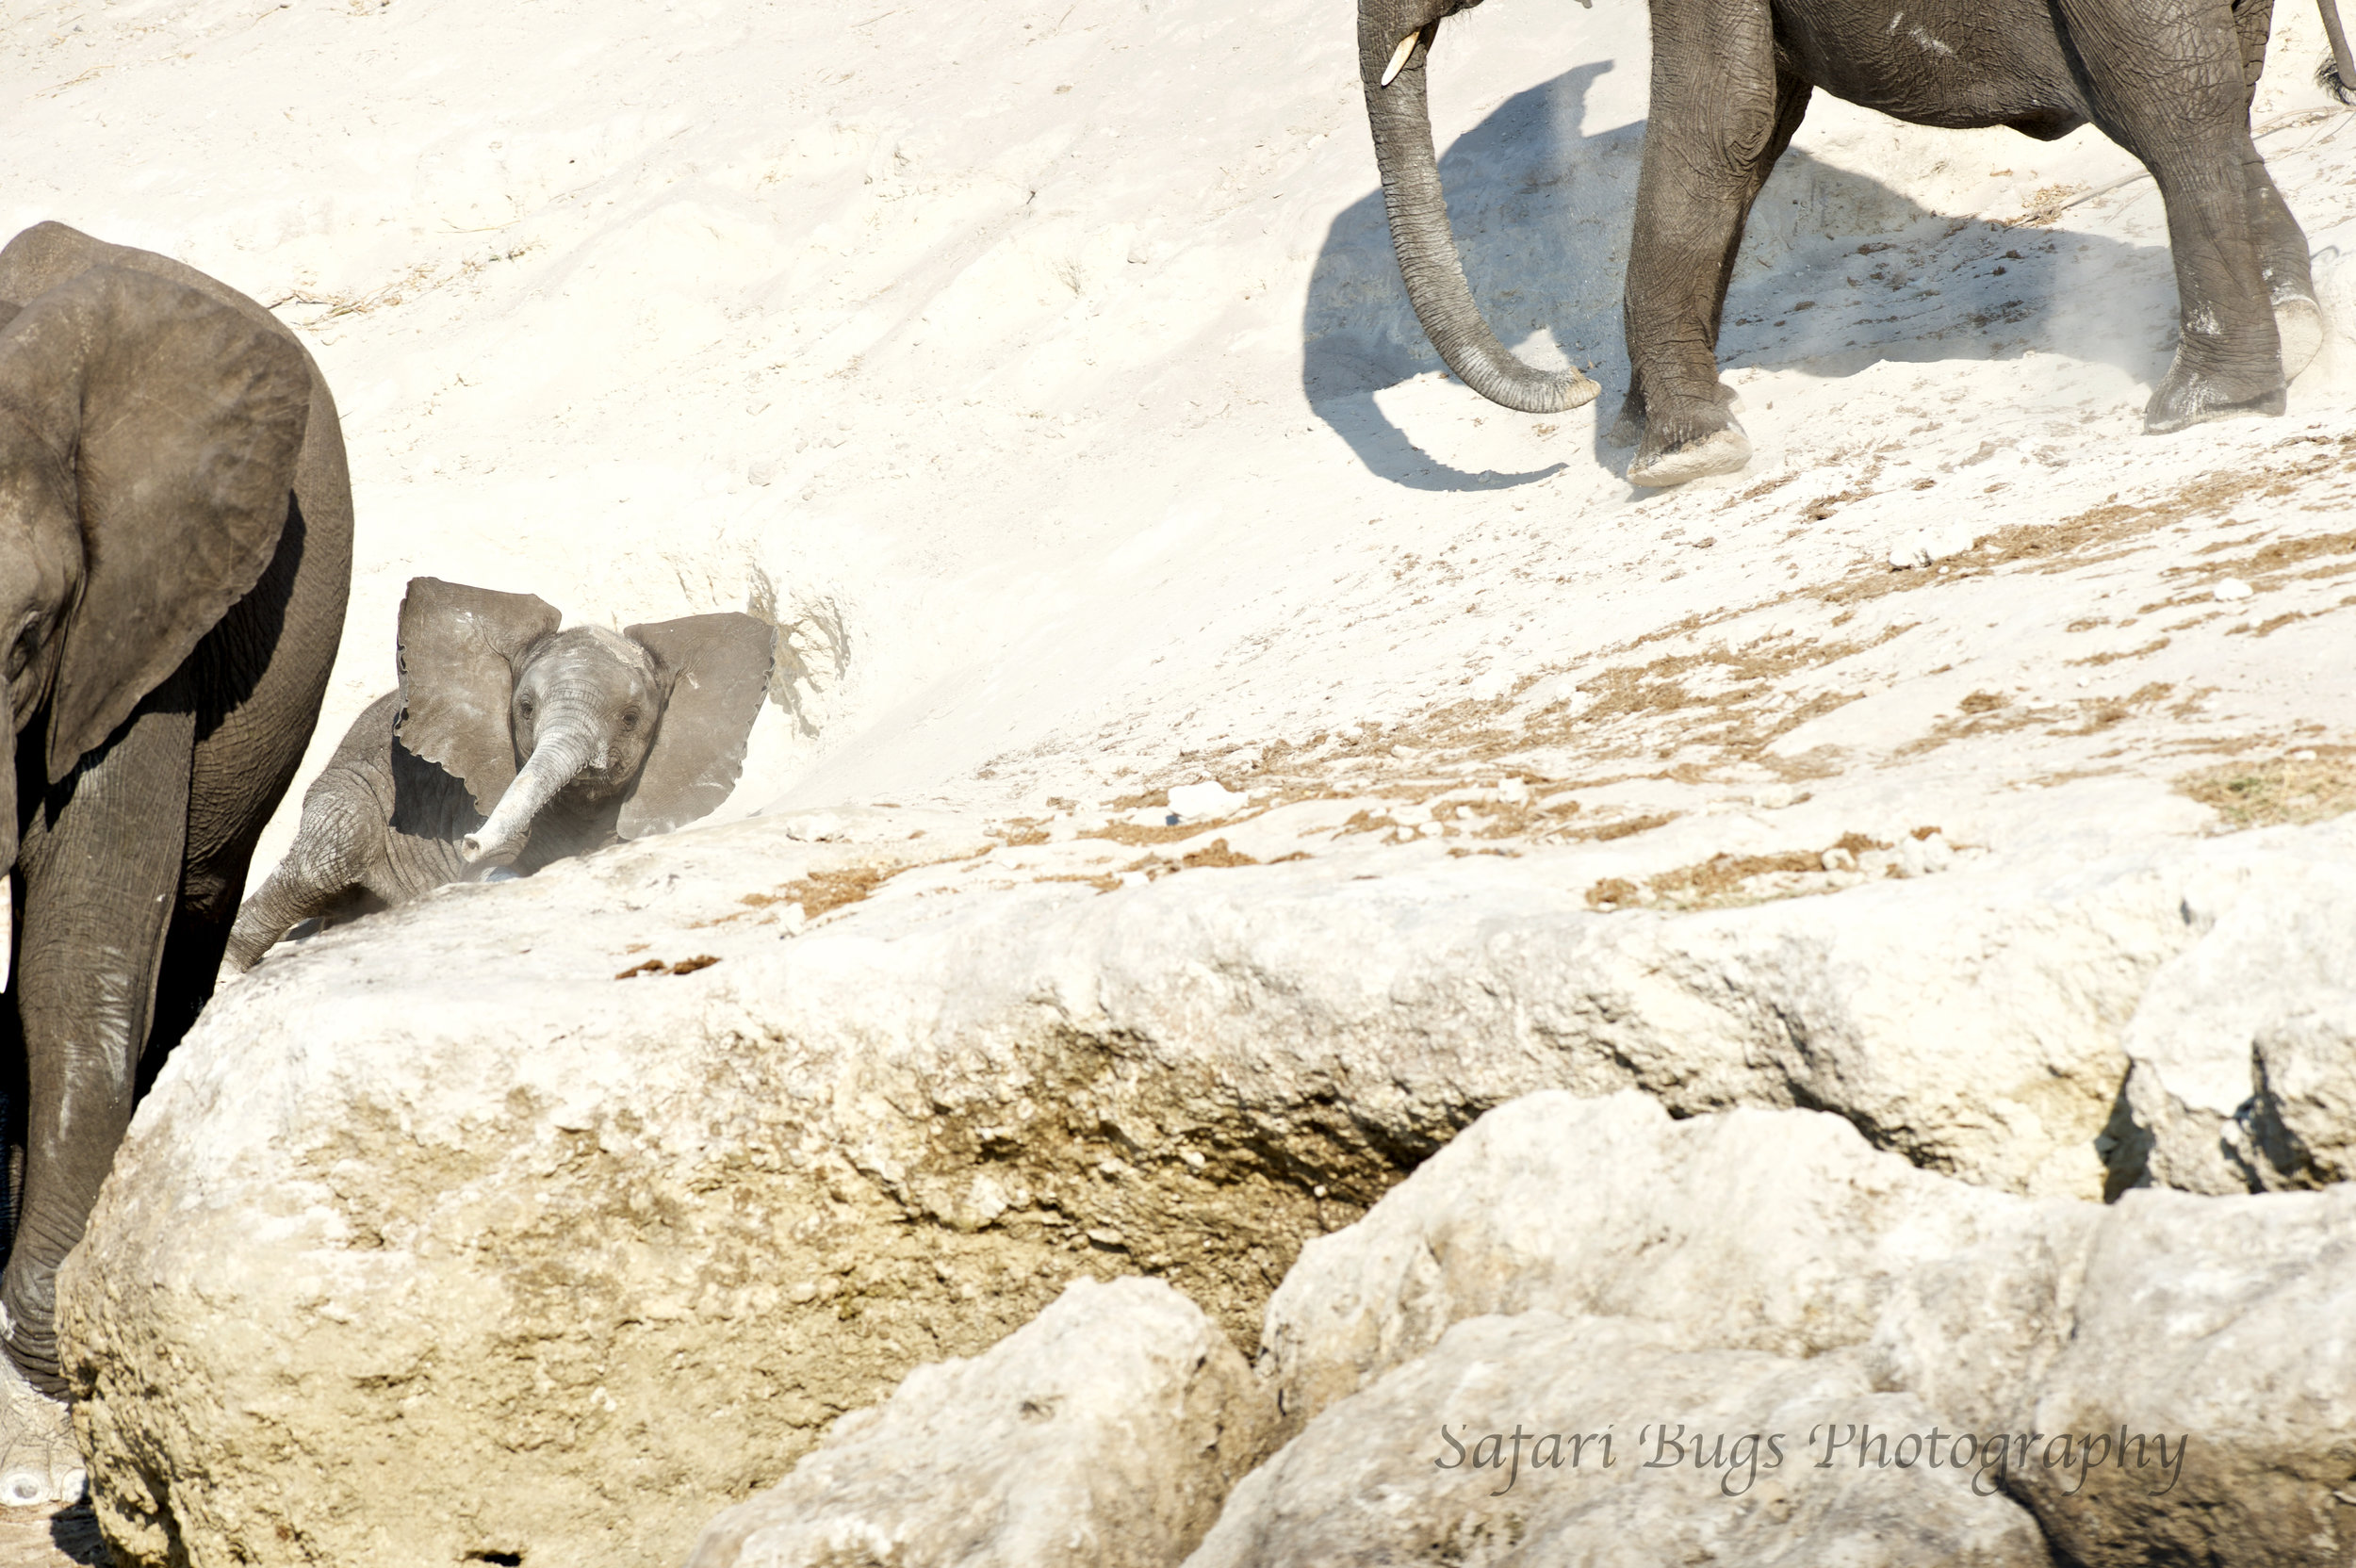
2188, 397
40, 1466
1629, 428
1719, 451
2298, 321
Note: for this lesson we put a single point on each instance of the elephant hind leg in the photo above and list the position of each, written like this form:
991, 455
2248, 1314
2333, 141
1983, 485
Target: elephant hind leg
1721, 114
337, 846
2168, 81
2282, 252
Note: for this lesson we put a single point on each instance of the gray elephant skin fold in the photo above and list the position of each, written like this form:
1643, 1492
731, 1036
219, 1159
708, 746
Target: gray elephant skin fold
510, 743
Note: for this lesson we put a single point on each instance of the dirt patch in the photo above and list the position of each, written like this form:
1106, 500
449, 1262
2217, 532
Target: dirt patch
2256, 793
2275, 557
656, 966
1214, 854
2100, 658
2116, 528
1134, 834
1727, 881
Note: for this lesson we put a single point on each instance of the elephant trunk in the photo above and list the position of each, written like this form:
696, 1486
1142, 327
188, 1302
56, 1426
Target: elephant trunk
567, 745
1419, 229
2338, 77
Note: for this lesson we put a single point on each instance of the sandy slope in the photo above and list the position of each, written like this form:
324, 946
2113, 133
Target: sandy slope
1046, 366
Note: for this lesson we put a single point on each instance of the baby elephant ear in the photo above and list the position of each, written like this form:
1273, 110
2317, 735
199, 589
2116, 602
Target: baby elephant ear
179, 420
717, 667
460, 650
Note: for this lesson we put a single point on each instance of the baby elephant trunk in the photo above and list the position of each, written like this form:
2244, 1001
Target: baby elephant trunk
555, 762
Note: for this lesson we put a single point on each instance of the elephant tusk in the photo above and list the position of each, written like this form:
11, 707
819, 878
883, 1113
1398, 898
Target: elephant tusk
1398, 57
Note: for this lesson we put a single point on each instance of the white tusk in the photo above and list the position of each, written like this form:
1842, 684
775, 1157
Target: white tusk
1399, 56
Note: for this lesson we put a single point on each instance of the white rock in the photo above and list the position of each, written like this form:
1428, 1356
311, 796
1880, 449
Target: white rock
2227, 1321
1780, 1232
1372, 1480
2301, 1119
2261, 960
435, 1197
1105, 1431
1206, 801
2231, 589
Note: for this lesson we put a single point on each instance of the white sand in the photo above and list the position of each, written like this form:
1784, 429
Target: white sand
1048, 365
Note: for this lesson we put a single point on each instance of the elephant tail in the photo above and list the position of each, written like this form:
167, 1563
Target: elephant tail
1392, 73
2337, 74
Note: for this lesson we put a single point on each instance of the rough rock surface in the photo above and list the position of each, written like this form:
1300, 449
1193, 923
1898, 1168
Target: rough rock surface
1754, 1230
1105, 1431
582, 1260
2173, 1375
2236, 1085
1716, 1456
2228, 1322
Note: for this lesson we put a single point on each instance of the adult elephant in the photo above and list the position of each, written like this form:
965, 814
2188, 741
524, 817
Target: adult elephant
175, 549
2170, 80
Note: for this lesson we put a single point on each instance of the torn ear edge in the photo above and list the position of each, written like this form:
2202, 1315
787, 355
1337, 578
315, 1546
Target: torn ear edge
716, 667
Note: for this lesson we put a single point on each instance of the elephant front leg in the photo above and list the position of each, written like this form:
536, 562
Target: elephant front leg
100, 871
1721, 114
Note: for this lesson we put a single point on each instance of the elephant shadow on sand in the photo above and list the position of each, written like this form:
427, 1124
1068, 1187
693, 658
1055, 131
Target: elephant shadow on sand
1542, 214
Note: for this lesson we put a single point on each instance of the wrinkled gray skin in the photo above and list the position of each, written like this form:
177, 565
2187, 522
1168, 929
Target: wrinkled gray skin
2170, 80
175, 548
510, 744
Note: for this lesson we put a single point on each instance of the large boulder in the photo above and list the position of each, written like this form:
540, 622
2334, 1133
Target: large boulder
2240, 1078
2179, 1374
543, 1221
2168, 1378
1488, 1451
1104, 1433
1766, 1231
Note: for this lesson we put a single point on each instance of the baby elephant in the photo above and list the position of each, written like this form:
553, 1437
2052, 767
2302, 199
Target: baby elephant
510, 744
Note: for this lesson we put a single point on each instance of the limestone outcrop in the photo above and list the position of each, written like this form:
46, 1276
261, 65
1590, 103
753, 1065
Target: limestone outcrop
1489, 1449
544, 1221
2241, 1079
1106, 1431
2170, 1377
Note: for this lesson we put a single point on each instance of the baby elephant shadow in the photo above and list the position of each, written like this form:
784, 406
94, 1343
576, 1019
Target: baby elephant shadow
511, 744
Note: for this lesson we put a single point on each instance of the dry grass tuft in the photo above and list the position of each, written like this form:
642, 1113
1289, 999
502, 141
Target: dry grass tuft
2269, 793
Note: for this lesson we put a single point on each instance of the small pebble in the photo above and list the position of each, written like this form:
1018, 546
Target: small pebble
2231, 589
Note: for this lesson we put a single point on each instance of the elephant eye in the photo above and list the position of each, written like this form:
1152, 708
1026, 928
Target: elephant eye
630, 719
523, 706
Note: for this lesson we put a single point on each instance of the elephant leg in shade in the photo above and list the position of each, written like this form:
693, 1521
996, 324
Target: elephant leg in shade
97, 901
